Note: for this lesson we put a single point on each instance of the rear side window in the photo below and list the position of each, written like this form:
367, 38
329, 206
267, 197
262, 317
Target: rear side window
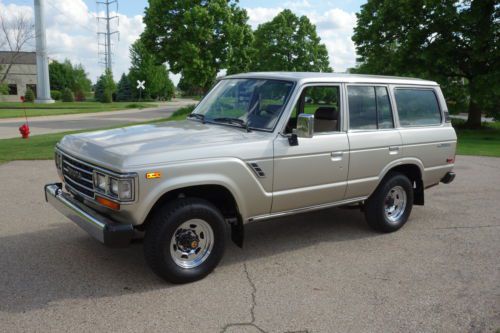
369, 108
417, 107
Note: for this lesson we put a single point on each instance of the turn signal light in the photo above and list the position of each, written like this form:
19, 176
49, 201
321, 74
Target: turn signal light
153, 175
108, 203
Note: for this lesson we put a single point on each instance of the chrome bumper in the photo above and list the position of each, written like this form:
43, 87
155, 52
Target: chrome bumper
101, 228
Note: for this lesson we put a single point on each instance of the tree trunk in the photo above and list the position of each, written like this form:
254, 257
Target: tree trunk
474, 118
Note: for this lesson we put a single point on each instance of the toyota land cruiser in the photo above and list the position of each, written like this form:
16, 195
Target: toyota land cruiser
258, 146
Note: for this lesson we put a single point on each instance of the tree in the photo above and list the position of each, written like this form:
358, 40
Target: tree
124, 89
67, 95
289, 43
105, 87
144, 67
66, 75
15, 32
451, 41
198, 38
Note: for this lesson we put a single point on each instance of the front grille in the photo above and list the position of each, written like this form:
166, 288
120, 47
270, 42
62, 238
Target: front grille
78, 176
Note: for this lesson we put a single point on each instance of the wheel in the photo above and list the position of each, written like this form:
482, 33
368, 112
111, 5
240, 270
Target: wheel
389, 207
185, 240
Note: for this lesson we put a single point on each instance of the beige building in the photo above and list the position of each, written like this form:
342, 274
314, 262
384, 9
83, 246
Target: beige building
21, 75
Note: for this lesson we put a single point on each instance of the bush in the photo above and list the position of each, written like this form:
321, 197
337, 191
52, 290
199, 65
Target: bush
67, 95
56, 95
107, 97
4, 89
29, 96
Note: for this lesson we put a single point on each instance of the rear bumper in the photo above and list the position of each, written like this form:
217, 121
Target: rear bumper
100, 227
448, 178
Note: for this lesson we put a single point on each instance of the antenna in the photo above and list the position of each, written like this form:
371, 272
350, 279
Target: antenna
104, 37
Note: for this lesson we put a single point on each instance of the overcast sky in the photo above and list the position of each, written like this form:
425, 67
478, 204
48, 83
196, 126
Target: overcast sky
72, 27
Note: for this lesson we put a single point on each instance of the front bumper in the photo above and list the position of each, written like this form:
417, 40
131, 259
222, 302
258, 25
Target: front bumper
100, 227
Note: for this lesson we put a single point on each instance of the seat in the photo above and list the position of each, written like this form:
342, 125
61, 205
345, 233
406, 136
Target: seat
325, 119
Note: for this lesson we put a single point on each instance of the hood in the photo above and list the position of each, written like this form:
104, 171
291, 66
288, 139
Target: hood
122, 148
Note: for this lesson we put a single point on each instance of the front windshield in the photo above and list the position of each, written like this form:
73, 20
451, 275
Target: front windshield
251, 103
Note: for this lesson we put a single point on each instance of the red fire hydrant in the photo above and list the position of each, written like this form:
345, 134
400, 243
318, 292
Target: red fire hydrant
24, 129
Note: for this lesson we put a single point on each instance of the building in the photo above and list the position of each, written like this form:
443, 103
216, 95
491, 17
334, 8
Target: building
21, 75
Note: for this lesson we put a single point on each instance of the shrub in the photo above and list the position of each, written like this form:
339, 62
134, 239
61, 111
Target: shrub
29, 96
67, 95
56, 95
4, 89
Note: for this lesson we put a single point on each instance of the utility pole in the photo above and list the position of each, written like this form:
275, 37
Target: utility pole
108, 33
42, 62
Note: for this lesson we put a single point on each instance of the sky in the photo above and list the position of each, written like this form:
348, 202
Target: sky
72, 28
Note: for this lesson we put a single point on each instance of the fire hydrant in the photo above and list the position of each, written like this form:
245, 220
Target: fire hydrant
24, 129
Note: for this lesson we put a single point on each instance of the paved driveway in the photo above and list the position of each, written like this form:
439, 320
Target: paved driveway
53, 124
321, 272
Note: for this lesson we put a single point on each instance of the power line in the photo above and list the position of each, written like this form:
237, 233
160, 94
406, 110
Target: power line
107, 34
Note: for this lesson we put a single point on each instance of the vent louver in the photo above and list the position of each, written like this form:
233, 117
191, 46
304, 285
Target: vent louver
257, 169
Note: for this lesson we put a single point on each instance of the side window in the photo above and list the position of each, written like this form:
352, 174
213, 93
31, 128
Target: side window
384, 108
417, 107
369, 108
321, 101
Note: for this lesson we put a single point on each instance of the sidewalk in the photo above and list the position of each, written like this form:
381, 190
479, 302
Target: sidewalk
72, 122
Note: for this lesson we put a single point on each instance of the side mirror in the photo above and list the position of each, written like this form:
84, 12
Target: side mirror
305, 125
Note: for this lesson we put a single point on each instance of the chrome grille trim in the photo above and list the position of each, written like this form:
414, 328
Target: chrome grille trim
78, 176
75, 167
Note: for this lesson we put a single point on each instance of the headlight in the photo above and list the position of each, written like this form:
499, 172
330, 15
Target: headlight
121, 188
101, 182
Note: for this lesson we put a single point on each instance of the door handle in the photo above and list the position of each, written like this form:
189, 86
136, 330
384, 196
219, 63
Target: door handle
337, 155
393, 150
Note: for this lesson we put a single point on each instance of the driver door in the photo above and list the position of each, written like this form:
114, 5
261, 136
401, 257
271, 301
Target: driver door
315, 171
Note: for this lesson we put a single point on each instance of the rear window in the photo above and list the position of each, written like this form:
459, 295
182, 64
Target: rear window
369, 108
417, 107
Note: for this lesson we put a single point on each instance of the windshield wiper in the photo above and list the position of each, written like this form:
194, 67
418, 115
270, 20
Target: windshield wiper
230, 120
197, 116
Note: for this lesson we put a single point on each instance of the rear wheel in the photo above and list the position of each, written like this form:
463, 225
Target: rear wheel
185, 240
389, 207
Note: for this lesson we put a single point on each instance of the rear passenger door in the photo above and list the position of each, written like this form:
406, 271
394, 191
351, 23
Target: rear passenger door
373, 139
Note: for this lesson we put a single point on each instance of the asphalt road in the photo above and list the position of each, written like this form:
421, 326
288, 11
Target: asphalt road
53, 124
321, 272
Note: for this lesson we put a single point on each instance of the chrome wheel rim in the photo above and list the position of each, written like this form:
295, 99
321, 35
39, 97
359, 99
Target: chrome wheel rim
192, 243
395, 204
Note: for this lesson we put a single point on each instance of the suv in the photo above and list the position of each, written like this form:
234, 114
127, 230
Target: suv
258, 146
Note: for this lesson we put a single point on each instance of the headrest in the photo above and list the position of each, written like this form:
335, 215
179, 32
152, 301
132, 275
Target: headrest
326, 113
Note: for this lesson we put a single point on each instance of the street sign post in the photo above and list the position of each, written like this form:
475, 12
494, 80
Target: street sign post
141, 87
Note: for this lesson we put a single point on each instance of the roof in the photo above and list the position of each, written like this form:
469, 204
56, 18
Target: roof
22, 58
305, 77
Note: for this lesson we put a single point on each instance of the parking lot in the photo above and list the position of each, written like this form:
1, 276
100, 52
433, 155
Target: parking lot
320, 272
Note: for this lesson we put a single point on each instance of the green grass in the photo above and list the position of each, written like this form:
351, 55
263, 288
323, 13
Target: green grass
41, 147
483, 142
16, 109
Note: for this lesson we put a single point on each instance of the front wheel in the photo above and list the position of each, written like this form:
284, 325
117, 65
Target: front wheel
185, 240
389, 207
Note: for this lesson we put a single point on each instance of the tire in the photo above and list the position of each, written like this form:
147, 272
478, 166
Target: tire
187, 225
389, 207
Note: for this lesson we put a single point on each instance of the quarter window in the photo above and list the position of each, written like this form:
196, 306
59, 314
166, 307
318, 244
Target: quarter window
369, 108
417, 107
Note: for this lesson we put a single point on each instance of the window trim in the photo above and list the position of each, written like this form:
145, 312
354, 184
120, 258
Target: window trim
16, 89
391, 105
300, 91
433, 89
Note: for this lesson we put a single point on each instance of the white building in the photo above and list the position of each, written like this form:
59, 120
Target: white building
21, 75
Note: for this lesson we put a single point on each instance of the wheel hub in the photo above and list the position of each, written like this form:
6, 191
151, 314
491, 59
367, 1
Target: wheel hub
191, 243
395, 204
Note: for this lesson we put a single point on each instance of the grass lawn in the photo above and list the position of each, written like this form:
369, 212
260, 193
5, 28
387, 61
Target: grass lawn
41, 147
16, 109
484, 142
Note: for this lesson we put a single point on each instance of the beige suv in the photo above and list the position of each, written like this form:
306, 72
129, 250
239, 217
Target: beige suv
258, 146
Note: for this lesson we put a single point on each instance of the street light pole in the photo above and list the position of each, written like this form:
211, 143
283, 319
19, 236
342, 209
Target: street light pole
42, 63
